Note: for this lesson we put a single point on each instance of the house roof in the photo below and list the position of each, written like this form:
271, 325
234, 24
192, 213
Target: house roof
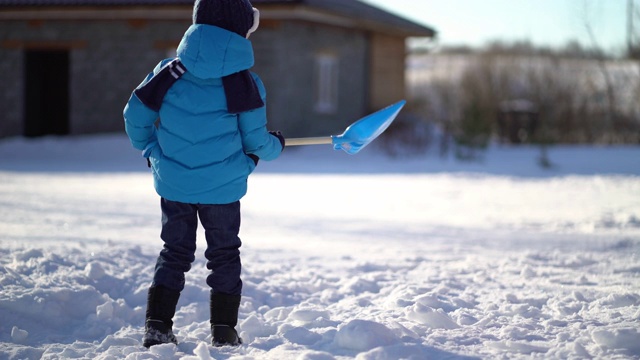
357, 12
92, 2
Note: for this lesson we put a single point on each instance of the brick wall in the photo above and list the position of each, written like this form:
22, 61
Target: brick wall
11, 91
111, 66
285, 55
109, 58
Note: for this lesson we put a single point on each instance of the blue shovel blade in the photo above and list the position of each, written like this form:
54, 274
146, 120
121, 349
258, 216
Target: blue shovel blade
362, 132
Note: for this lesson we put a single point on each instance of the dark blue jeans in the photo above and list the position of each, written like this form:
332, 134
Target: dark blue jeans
221, 225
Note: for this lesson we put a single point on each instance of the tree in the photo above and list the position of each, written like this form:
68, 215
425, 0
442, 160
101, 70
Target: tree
633, 30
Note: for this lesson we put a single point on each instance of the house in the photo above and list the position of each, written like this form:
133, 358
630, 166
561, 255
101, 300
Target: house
69, 66
517, 121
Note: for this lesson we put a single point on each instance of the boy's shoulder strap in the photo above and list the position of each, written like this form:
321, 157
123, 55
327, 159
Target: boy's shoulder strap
152, 93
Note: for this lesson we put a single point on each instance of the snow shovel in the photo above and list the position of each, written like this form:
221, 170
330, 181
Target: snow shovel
357, 135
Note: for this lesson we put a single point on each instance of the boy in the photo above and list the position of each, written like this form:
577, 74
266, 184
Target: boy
200, 120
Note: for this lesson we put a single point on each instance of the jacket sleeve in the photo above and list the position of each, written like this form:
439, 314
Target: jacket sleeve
256, 139
139, 120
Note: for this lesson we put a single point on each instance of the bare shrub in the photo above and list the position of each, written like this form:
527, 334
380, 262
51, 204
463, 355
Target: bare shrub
577, 102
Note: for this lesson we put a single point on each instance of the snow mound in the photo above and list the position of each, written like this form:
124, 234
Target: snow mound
364, 335
626, 340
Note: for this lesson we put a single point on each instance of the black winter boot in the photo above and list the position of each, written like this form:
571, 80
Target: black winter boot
161, 306
224, 318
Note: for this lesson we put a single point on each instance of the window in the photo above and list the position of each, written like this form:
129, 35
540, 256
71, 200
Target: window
326, 100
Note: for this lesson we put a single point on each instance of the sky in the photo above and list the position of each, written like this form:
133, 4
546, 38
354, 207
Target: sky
543, 22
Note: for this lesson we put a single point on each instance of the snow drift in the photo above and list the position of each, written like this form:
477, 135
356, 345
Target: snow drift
363, 257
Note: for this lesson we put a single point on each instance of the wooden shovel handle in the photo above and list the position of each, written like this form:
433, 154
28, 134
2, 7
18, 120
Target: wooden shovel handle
308, 141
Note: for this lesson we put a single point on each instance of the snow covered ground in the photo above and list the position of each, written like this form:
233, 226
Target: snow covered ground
363, 256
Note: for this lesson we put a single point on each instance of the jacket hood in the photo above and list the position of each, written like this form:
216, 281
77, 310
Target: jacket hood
212, 52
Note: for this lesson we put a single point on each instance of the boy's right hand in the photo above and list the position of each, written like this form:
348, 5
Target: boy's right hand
278, 134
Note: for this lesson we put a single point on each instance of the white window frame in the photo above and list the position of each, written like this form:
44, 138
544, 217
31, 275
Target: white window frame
326, 69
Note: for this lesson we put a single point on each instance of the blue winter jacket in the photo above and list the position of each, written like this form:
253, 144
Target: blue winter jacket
197, 149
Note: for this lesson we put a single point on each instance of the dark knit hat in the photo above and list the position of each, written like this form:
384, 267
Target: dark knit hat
232, 15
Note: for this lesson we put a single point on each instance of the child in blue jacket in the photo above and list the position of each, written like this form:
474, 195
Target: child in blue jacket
200, 120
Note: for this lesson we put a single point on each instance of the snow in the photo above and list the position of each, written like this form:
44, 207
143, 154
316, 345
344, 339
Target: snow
345, 257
